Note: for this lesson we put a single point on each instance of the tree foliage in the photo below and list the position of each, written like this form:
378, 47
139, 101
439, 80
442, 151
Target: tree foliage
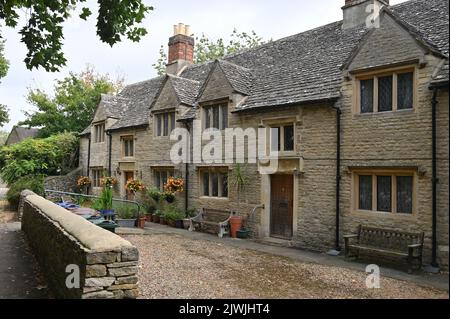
43, 30
4, 64
4, 116
207, 49
33, 157
3, 137
73, 105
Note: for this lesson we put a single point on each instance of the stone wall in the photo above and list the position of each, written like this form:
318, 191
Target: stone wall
58, 238
64, 183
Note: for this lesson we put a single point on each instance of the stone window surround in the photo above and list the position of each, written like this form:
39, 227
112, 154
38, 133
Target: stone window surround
222, 102
213, 169
157, 170
97, 174
99, 132
281, 122
123, 140
375, 74
155, 116
393, 172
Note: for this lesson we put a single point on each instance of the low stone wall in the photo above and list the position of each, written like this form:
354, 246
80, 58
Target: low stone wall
107, 263
63, 183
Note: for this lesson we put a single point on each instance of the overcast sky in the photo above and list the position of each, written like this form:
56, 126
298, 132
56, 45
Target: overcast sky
269, 19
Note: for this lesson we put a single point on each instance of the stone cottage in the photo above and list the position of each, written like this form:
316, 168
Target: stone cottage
357, 111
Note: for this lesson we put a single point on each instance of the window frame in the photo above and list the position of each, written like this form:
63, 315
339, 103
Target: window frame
124, 139
156, 173
281, 138
375, 173
221, 105
375, 75
97, 174
159, 124
221, 171
99, 127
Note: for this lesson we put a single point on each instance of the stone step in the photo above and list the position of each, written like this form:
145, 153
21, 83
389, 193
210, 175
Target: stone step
275, 242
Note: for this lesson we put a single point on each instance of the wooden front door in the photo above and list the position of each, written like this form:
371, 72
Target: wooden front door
128, 176
282, 202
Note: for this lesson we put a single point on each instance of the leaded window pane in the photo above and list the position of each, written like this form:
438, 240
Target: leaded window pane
385, 94
166, 124
405, 91
224, 185
216, 118
384, 193
224, 110
404, 194
365, 192
172, 122
275, 139
366, 96
158, 125
206, 184
289, 138
215, 184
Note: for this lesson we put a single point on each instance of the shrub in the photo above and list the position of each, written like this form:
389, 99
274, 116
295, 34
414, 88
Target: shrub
173, 213
32, 183
49, 156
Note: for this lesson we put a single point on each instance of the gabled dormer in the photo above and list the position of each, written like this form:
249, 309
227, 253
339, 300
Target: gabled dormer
176, 97
385, 67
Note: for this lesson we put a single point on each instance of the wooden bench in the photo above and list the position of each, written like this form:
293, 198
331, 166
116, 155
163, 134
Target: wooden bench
212, 220
385, 241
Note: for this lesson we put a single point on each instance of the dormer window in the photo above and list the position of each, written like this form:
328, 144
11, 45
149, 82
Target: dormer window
164, 123
385, 92
99, 133
216, 116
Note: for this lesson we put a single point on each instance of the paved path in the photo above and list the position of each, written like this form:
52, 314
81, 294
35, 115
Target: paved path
440, 281
19, 276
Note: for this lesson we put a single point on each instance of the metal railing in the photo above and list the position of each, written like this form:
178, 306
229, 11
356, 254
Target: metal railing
138, 205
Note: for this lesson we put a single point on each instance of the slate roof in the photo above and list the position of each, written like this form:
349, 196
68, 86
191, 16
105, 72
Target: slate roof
23, 133
139, 96
302, 68
186, 89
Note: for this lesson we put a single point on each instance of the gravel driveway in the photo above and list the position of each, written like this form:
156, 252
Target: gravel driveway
172, 266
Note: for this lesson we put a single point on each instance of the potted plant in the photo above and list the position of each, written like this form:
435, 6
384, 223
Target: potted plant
141, 222
134, 186
172, 187
168, 197
83, 184
126, 218
154, 194
106, 197
156, 216
174, 216
239, 181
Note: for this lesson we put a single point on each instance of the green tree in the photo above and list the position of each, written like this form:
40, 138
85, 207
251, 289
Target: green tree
207, 49
72, 106
33, 157
4, 65
3, 137
43, 30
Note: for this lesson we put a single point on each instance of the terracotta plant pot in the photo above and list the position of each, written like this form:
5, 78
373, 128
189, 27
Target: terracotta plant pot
235, 225
171, 223
155, 219
149, 217
141, 222
162, 221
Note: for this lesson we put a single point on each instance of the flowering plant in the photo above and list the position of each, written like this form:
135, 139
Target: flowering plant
109, 182
174, 185
134, 185
83, 181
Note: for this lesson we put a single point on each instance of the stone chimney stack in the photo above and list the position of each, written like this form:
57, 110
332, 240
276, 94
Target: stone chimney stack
181, 49
358, 12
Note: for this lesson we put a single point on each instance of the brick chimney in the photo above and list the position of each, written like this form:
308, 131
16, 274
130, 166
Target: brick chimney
181, 49
357, 12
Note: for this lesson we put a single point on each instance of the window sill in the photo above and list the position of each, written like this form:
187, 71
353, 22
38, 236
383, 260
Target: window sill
215, 198
384, 113
384, 214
